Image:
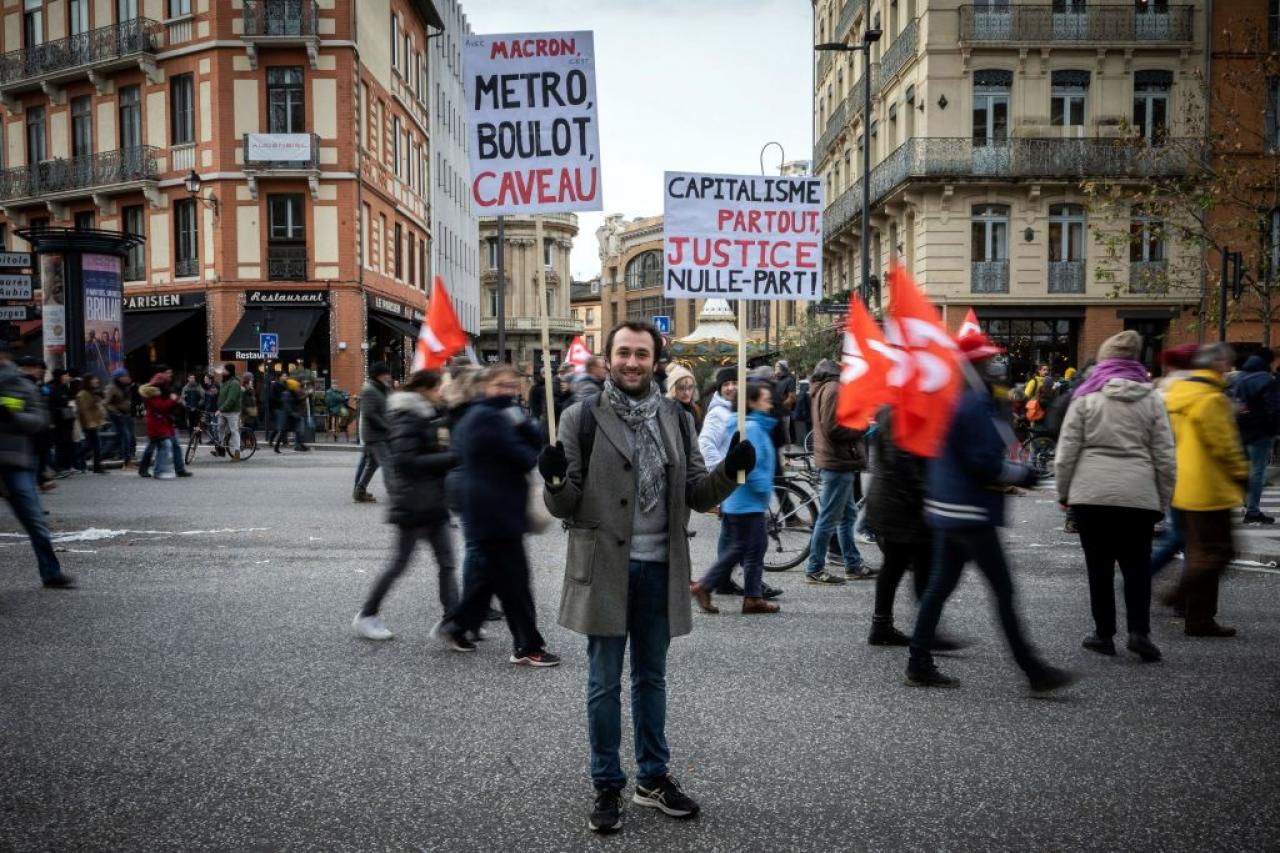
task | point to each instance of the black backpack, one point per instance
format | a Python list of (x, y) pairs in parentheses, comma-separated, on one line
[(587, 432)]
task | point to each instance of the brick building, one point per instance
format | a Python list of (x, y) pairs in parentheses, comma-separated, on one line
[(306, 128)]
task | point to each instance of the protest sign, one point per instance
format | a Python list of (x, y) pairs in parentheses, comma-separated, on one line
[(534, 137), (742, 237)]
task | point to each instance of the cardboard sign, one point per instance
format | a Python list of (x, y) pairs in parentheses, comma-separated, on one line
[(534, 136), (15, 287), (742, 237)]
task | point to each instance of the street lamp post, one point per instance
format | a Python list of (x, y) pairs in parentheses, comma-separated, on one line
[(869, 38)]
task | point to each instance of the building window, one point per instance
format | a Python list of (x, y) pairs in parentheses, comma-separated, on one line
[(757, 314), (991, 107), (182, 109), (36, 149), (32, 23), (591, 342), (135, 263), (82, 126), (1151, 104), (645, 270), (126, 10), (646, 309), (413, 262), (179, 8), (287, 238), (548, 253), (491, 251), (78, 16), (1067, 101), (185, 238), (591, 316), (491, 303), (286, 104), (399, 250), (130, 101), (989, 245), (1147, 243), (395, 41), (1066, 248), (395, 145), (84, 220)]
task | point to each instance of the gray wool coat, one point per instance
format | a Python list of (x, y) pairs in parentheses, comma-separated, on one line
[(599, 516)]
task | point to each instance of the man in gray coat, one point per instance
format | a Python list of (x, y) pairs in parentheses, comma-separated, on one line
[(626, 498), (373, 432)]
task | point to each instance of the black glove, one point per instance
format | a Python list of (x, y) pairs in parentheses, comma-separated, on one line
[(552, 463), (741, 457)]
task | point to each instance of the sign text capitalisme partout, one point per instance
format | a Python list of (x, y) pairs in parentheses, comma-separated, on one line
[(534, 136), (742, 237)]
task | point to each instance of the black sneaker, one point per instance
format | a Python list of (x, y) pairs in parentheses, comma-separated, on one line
[(1101, 645), (606, 814), (185, 474), (60, 581), (1258, 518), (144, 473), (929, 677), (541, 657), (1049, 678), (665, 794), (862, 573), (494, 615), (770, 591), (729, 587)]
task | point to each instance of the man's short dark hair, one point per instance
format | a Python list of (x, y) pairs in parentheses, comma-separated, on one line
[(230, 369), (756, 389), (634, 326), (424, 380)]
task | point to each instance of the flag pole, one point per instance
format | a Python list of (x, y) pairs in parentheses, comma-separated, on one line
[(742, 378)]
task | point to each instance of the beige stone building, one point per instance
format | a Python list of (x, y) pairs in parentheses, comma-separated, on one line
[(522, 260), (307, 126), (986, 120), (585, 301)]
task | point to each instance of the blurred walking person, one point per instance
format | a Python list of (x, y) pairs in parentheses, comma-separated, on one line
[(162, 408), (373, 432), (1115, 468), (1212, 473), (119, 403), (419, 454), (230, 405), (1256, 394), (497, 447), (92, 413), (22, 417), (287, 419)]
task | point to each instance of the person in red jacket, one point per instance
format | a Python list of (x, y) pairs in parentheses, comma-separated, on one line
[(161, 405)]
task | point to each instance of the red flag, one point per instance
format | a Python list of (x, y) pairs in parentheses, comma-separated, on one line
[(441, 334), (929, 392), (578, 355), (864, 369), (969, 326)]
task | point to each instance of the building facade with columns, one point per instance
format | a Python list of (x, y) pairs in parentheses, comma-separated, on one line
[(523, 262), (988, 123), (307, 127)]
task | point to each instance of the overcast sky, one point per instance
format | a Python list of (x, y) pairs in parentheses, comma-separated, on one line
[(696, 85)]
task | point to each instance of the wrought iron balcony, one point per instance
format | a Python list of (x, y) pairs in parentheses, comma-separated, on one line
[(835, 123), (55, 180), (843, 210), (556, 325), (1066, 276), (899, 53), (186, 267), (280, 23), (989, 276), (286, 262), (1148, 277), (1153, 25), (824, 63), (848, 13), (131, 43)]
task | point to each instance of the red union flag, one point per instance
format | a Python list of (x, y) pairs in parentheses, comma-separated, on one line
[(969, 327), (929, 392), (865, 368), (578, 355), (441, 336)]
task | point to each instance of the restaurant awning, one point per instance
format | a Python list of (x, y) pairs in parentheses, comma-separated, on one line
[(293, 325), (141, 328), (396, 324)]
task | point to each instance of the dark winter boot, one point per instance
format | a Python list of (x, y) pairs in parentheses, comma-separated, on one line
[(884, 634)]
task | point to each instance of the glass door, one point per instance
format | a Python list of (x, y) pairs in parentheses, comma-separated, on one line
[(991, 122)]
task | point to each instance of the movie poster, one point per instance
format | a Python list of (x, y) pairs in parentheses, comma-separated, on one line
[(103, 315), (53, 293)]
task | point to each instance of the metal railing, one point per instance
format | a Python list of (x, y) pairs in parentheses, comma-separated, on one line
[(1066, 276), (92, 171), (310, 164), (286, 262), (824, 63), (847, 15), (1041, 24), (858, 94), (835, 123), (82, 50), (186, 267), (1148, 277), (903, 48), (843, 210), (989, 276), (281, 18)]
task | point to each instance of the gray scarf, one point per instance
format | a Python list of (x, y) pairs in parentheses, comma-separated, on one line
[(641, 416)]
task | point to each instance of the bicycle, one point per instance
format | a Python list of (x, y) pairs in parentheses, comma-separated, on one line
[(205, 433), (793, 511), (1039, 451)]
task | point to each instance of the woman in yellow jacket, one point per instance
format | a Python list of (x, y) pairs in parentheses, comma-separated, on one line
[(1212, 472)]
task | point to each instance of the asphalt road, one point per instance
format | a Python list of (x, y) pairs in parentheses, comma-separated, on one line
[(203, 691)]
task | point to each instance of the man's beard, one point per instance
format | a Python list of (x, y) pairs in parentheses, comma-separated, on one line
[(641, 391)]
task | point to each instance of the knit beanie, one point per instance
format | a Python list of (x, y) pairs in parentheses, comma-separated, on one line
[(1126, 345), (726, 374)]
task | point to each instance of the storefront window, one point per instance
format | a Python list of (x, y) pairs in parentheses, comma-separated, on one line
[(1031, 341)]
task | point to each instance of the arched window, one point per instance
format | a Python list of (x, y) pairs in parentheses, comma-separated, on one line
[(645, 270)]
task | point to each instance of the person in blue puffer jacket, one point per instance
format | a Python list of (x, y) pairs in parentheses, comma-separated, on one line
[(964, 505), (743, 514)]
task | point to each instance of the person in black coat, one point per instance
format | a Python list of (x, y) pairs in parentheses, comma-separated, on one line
[(497, 447), (417, 442)]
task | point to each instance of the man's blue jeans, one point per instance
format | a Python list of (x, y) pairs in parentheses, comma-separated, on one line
[(836, 514), (647, 626), (25, 500), (1171, 541), (124, 435), (1259, 452), (158, 445)]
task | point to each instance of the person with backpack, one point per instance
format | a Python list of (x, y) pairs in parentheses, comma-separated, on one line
[(230, 405), (1038, 392), (1256, 395), (373, 431), (624, 474)]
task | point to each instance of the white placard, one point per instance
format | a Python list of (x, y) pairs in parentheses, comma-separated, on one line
[(279, 147), (742, 237), (13, 312), (15, 287), (534, 137), (15, 259)]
